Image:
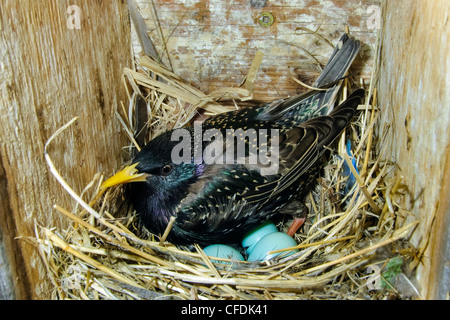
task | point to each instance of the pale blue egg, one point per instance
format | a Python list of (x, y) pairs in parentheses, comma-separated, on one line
[(271, 242), (251, 238), (223, 251)]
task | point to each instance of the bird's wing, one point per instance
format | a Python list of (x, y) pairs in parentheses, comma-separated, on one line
[(227, 196), (233, 192), (301, 147)]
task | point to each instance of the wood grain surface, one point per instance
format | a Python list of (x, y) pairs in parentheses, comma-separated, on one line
[(415, 100), (212, 43), (51, 73)]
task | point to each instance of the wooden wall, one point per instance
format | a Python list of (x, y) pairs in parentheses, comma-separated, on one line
[(51, 71), (415, 99), (212, 43)]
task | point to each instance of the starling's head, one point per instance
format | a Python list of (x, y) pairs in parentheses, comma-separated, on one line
[(163, 174), (159, 184)]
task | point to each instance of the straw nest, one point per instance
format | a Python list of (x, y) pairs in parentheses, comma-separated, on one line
[(353, 245)]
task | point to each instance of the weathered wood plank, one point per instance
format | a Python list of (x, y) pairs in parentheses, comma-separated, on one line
[(414, 97), (212, 43), (51, 73)]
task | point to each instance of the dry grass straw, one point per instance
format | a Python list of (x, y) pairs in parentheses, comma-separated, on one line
[(344, 240)]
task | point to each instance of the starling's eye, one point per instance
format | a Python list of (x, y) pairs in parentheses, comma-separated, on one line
[(166, 170)]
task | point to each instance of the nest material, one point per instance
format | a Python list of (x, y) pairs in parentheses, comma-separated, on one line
[(347, 247)]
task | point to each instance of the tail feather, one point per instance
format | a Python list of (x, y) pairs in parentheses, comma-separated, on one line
[(316, 103), (339, 62)]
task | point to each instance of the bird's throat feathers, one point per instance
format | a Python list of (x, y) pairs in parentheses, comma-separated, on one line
[(164, 195)]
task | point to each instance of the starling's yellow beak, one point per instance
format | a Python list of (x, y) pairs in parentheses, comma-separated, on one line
[(127, 175)]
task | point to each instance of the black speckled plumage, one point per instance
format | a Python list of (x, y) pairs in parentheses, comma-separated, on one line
[(220, 202)]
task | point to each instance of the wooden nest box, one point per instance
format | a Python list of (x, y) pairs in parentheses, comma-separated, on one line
[(59, 61)]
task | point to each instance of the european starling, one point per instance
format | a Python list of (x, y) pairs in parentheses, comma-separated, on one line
[(217, 195)]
